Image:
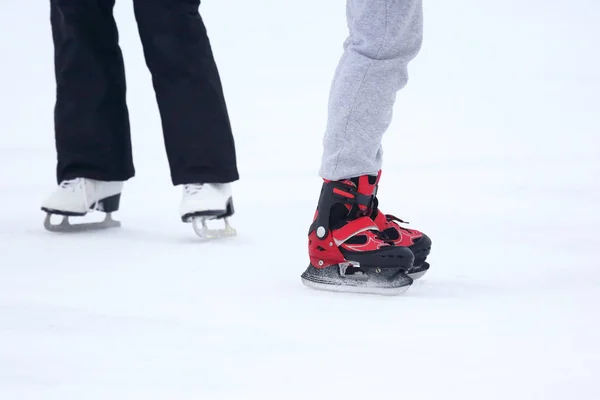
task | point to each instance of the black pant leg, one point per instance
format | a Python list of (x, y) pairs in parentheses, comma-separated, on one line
[(195, 121), (91, 117)]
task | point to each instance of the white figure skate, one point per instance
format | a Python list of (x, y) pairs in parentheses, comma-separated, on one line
[(205, 202), (76, 197)]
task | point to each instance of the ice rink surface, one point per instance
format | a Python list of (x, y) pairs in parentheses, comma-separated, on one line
[(494, 152)]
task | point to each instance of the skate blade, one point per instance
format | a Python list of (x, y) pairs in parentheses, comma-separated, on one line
[(349, 277), (65, 225), (202, 230), (417, 275), (382, 291)]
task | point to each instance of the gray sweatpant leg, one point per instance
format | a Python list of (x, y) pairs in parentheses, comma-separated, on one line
[(384, 36)]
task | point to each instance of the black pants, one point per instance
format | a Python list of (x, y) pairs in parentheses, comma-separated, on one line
[(91, 116)]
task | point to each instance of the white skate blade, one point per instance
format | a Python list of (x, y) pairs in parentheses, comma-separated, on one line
[(65, 225), (355, 289), (203, 231)]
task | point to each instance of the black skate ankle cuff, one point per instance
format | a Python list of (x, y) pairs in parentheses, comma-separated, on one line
[(333, 193)]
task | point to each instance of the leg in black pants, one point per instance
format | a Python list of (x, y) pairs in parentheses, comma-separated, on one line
[(197, 131), (91, 117)]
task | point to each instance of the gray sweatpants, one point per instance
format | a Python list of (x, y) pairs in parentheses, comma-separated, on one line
[(384, 36)]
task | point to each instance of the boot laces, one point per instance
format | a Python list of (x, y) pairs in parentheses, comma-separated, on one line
[(192, 188), (390, 217), (383, 237), (73, 185)]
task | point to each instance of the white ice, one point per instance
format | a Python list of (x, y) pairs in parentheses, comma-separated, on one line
[(494, 152)]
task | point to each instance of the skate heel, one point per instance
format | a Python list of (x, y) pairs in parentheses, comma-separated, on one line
[(199, 221), (230, 209), (211, 214), (108, 205)]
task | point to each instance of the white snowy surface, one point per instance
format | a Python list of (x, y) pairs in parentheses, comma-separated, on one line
[(494, 152)]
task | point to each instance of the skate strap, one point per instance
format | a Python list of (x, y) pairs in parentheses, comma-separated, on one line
[(353, 228), (339, 192), (350, 195)]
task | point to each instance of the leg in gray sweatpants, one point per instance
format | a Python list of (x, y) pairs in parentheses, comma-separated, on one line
[(384, 36)]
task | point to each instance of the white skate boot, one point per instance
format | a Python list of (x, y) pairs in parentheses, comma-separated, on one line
[(77, 197), (204, 202)]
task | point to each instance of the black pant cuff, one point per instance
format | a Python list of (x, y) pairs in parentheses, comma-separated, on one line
[(223, 177)]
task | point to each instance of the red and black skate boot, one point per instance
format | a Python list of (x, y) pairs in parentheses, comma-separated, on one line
[(347, 251), (417, 242)]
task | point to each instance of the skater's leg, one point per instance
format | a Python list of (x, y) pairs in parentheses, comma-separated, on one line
[(91, 117), (197, 131), (385, 35)]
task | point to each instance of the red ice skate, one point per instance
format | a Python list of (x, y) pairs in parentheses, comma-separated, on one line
[(348, 253)]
